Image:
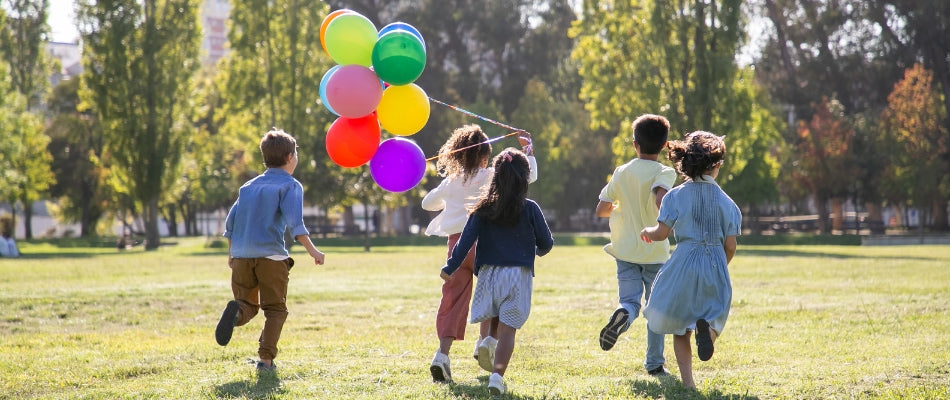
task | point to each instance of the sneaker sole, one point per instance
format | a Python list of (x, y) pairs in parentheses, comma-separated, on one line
[(610, 333), (704, 343), (495, 391), (226, 325), (438, 375), (485, 358)]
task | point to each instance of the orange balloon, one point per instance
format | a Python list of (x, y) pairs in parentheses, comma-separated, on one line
[(326, 22)]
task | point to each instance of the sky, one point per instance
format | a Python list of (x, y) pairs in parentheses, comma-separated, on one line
[(62, 15)]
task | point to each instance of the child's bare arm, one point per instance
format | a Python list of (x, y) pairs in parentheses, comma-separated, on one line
[(730, 245), (318, 256), (654, 233), (604, 209), (658, 194)]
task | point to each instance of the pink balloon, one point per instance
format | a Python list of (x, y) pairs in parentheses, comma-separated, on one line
[(353, 91)]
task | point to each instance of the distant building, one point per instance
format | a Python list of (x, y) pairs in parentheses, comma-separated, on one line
[(68, 55), (214, 18)]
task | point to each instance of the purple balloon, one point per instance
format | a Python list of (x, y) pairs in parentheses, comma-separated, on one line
[(398, 165)]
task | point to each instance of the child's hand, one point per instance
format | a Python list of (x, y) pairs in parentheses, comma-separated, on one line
[(524, 139), (445, 277), (644, 235), (318, 257)]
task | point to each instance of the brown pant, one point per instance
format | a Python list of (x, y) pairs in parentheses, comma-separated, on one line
[(456, 296), (261, 283)]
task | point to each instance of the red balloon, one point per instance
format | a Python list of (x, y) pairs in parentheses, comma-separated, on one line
[(352, 142)]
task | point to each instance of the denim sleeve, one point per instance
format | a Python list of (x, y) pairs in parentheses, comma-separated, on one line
[(229, 221), (291, 206)]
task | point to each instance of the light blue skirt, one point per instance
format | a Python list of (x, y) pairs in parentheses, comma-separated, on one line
[(693, 284)]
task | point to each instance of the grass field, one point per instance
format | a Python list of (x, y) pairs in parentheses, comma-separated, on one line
[(807, 322)]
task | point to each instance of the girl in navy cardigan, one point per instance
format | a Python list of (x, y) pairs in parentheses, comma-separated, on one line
[(508, 230)]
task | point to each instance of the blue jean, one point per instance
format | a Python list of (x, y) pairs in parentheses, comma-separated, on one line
[(636, 280)]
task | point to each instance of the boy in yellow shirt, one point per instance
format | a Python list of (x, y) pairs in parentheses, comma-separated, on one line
[(631, 199)]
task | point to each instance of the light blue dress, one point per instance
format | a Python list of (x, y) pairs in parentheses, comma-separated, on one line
[(694, 283)]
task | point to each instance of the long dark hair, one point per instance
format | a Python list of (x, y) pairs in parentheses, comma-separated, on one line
[(504, 201), (699, 152)]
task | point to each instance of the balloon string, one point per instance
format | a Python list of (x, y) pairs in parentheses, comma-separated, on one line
[(509, 127), (474, 145), (469, 113)]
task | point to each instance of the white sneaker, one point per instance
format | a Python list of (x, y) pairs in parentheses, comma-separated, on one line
[(486, 353), (475, 351), (440, 368), (496, 385)]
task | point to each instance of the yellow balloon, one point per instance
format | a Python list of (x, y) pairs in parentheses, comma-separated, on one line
[(403, 110)]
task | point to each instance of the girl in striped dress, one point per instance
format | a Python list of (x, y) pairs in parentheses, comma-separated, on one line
[(508, 230), (692, 292), (463, 161)]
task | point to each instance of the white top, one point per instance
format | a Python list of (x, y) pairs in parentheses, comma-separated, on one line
[(454, 198)]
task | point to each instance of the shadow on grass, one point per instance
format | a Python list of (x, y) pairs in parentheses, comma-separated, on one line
[(671, 388), (266, 386), (480, 391), (792, 253)]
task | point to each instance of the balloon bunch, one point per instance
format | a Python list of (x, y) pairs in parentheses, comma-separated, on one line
[(371, 88)]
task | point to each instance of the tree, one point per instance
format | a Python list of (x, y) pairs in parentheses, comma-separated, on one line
[(676, 59), (826, 165), (139, 60), (854, 51), (915, 116), (76, 143), (21, 44)]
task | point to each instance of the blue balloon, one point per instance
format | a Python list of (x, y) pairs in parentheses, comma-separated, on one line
[(404, 26), (323, 89)]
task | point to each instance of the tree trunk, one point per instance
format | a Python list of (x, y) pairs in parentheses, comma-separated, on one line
[(822, 205), (152, 239), (875, 218), (172, 222), (940, 214), (755, 226), (837, 214), (28, 220), (349, 220)]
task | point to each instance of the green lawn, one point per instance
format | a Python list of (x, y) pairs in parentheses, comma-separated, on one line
[(807, 322)]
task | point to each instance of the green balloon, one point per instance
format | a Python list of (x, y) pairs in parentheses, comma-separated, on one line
[(399, 57), (350, 39)]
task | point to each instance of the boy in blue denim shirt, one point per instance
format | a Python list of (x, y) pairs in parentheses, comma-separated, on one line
[(267, 205)]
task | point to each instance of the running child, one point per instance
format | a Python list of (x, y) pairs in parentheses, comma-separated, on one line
[(266, 206), (507, 230), (692, 292), (632, 201), (463, 161)]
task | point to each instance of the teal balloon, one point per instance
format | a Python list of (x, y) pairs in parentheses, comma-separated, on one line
[(323, 89), (350, 39), (398, 57)]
